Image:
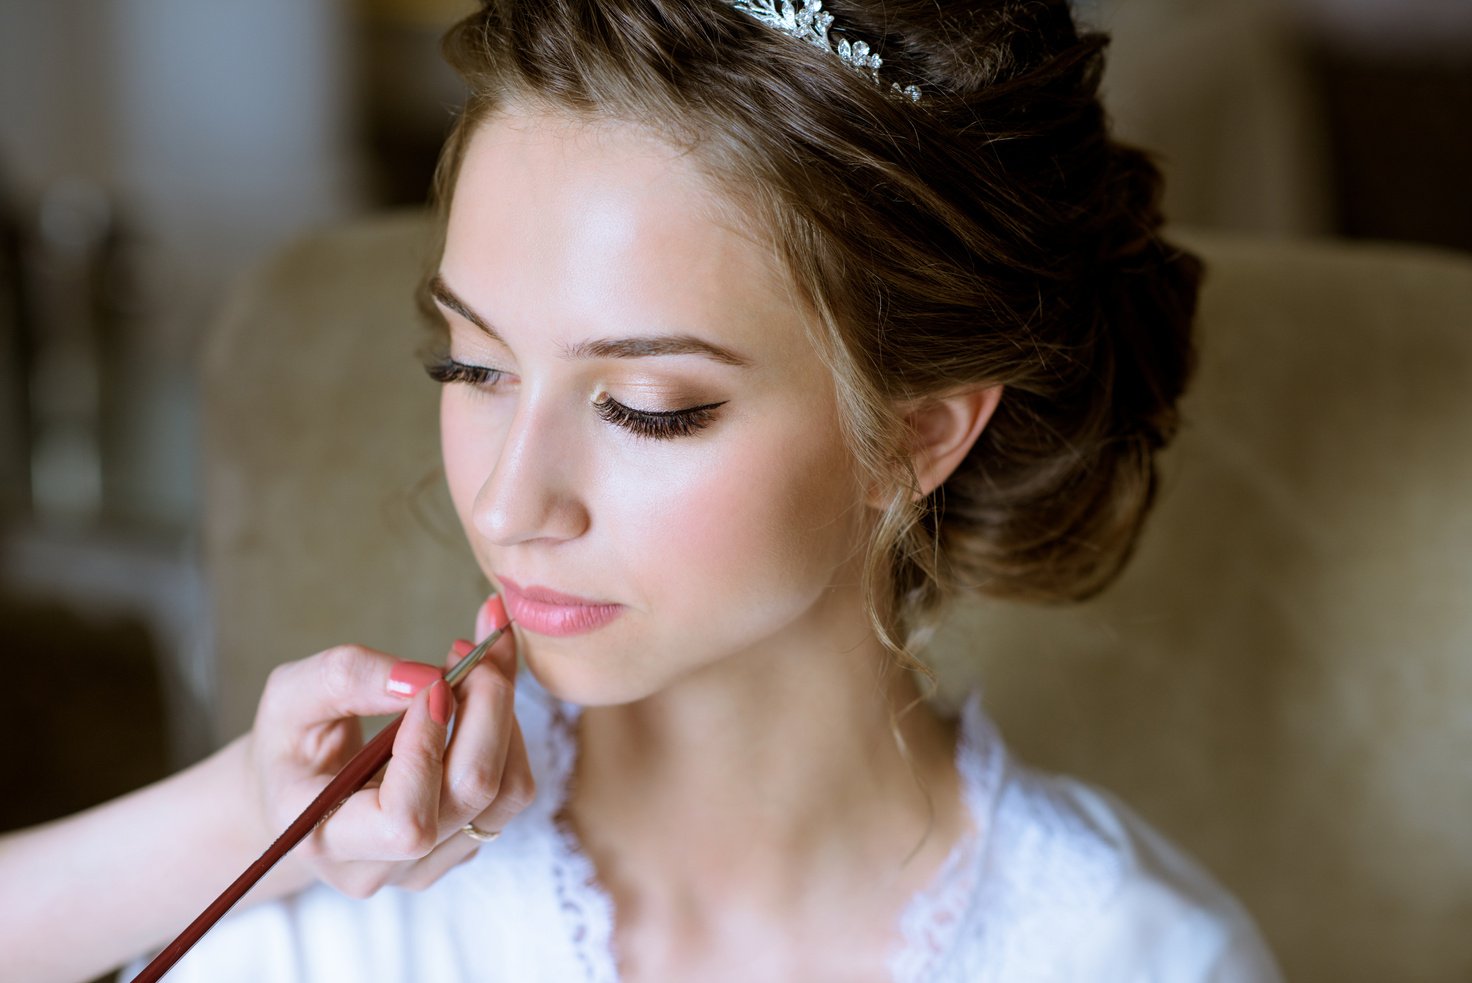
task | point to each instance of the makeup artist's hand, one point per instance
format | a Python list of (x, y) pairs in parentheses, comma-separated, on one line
[(405, 828)]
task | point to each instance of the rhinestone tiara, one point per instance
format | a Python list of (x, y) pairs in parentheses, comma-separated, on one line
[(810, 23)]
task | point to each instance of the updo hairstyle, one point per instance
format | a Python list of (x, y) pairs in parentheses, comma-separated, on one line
[(992, 233)]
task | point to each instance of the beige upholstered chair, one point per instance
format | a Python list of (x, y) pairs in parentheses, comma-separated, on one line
[(1281, 681)]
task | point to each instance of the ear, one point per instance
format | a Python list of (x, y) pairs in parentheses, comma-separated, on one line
[(943, 429)]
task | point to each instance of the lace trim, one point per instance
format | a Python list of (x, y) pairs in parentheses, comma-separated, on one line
[(930, 926), (587, 910)]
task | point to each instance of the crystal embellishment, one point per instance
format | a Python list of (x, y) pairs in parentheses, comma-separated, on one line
[(810, 23)]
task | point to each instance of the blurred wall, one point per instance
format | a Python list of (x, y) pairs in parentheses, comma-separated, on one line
[(212, 132), (1292, 117), (1220, 93), (149, 151)]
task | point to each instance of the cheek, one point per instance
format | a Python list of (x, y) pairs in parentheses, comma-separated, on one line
[(462, 447), (758, 526)]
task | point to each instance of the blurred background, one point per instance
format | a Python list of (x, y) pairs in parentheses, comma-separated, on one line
[(152, 150)]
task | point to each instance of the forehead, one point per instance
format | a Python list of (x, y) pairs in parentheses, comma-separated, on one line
[(581, 227)]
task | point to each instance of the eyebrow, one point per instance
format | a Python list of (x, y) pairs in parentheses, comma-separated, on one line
[(643, 346)]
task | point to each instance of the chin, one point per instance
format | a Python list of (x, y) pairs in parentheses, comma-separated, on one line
[(582, 680)]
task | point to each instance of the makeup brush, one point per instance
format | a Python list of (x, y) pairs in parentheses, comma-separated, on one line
[(353, 776)]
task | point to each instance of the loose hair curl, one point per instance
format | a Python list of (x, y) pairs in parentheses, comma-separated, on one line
[(993, 234)]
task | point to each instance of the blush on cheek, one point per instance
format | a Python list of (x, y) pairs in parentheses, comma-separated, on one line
[(759, 529), (453, 458), (467, 455)]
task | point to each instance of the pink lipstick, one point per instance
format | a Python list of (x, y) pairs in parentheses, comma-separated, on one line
[(549, 612)]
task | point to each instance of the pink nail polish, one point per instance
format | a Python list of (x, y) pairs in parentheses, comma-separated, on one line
[(407, 678), (462, 647), (440, 702)]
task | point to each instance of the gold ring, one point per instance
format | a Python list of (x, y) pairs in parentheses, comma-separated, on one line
[(479, 835)]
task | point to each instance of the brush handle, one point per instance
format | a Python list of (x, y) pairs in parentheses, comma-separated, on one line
[(353, 776)]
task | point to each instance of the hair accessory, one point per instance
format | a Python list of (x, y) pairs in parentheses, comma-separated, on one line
[(478, 834), (810, 24)]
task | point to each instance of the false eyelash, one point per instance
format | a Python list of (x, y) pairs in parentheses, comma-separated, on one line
[(665, 425), (447, 370)]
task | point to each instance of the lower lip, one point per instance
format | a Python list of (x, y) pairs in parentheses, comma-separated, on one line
[(558, 619)]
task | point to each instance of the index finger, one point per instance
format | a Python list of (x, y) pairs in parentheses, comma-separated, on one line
[(343, 681)]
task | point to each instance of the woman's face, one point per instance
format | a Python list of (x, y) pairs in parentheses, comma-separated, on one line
[(636, 418)]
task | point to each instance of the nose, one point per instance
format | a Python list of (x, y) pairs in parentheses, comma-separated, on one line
[(531, 491)]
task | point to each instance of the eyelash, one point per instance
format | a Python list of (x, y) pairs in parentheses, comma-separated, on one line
[(665, 425), (447, 370)]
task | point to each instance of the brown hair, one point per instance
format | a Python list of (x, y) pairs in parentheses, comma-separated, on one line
[(991, 234)]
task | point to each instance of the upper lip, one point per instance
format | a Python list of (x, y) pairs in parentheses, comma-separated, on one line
[(546, 595)]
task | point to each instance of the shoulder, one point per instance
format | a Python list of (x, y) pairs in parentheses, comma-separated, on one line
[(1064, 859), (1142, 909)]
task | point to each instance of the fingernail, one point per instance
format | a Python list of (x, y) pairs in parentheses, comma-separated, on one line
[(407, 678), (440, 702)]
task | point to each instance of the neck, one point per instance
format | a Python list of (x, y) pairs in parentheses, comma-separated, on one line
[(767, 782)]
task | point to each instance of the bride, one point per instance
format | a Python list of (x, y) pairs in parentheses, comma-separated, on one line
[(756, 349)]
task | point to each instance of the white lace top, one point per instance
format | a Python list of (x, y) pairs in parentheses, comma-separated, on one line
[(1057, 882)]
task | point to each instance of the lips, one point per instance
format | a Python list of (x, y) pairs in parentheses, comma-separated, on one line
[(550, 612)]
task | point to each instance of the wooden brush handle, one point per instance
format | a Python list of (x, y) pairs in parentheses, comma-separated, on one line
[(354, 775)]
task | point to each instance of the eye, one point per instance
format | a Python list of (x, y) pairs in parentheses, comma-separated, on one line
[(666, 425), (447, 370)]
